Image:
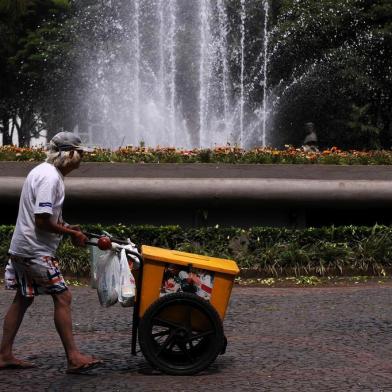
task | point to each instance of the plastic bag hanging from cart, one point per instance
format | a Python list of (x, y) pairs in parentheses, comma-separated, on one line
[(126, 294), (108, 278)]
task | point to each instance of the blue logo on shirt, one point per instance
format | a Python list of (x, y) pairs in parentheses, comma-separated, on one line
[(46, 204)]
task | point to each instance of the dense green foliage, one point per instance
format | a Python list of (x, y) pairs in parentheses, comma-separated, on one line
[(36, 67), (330, 62), (268, 251)]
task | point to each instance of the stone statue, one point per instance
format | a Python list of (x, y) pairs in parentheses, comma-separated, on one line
[(310, 142)]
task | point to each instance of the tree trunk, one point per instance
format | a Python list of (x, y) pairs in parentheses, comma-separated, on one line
[(25, 128), (7, 134)]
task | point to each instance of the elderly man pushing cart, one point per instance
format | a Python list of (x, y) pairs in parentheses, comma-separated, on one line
[(33, 268)]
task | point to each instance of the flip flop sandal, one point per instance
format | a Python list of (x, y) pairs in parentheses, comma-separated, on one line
[(84, 368)]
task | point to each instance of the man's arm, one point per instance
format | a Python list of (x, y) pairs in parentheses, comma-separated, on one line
[(44, 223)]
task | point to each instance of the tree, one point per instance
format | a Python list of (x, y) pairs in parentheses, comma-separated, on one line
[(31, 30), (328, 59)]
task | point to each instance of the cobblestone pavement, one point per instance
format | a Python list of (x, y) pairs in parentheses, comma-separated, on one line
[(280, 339)]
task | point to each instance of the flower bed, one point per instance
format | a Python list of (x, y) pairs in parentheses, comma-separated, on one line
[(227, 154)]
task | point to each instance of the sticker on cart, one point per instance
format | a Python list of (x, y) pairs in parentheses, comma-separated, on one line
[(178, 279)]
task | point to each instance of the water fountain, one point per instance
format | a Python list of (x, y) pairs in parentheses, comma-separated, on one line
[(265, 69), (176, 73)]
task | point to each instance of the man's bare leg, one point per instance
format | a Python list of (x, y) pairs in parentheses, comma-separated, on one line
[(63, 322), (12, 322)]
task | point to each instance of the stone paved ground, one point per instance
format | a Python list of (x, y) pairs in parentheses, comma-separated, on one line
[(280, 339)]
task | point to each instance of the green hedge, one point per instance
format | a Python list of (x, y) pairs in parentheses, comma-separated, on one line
[(268, 251)]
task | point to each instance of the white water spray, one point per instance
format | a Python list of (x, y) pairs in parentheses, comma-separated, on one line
[(136, 81), (222, 16), (265, 69), (243, 15), (166, 72), (172, 72)]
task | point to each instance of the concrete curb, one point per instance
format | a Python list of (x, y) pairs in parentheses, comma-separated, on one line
[(215, 190), (209, 194)]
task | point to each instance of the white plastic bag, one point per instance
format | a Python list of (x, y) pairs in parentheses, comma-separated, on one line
[(10, 278), (108, 278), (127, 282), (95, 254)]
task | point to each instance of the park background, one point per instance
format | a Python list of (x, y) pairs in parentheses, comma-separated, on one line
[(290, 62)]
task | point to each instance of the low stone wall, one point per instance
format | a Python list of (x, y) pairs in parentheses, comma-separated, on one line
[(209, 194)]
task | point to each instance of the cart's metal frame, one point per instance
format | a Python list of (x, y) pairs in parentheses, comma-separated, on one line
[(136, 307)]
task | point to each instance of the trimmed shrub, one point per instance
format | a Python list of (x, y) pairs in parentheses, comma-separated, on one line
[(270, 252)]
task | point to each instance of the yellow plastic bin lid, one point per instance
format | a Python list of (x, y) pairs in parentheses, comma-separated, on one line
[(197, 261)]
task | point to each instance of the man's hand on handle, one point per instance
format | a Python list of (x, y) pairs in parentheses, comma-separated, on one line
[(78, 238)]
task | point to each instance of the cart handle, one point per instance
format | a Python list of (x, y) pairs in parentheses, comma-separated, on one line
[(127, 251), (113, 239), (136, 254)]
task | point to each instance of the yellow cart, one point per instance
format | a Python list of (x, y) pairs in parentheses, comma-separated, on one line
[(181, 301)]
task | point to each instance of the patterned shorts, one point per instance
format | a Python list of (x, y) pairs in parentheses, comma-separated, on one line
[(34, 276)]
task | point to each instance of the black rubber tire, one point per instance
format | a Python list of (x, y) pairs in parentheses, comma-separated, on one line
[(184, 346)]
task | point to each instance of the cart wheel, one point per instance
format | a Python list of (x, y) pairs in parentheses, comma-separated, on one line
[(181, 334)]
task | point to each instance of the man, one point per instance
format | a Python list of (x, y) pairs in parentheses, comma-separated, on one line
[(38, 231)]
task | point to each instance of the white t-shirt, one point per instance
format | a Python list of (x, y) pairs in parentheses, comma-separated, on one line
[(43, 192)]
